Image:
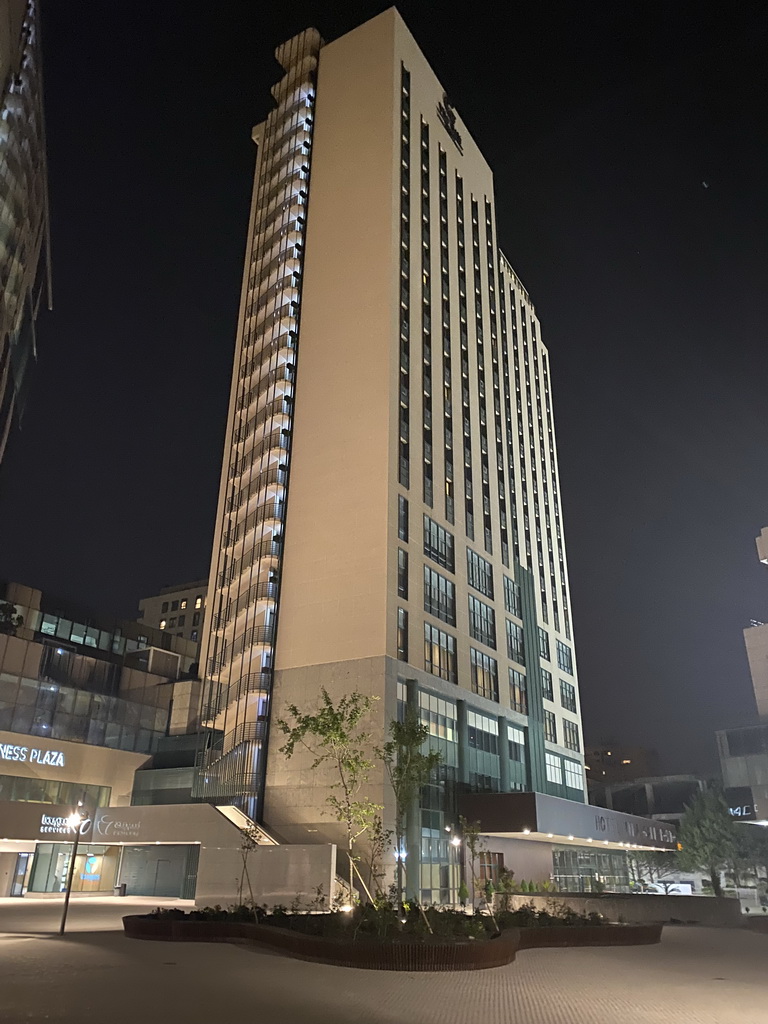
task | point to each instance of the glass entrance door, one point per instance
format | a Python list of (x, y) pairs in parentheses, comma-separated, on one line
[(19, 882)]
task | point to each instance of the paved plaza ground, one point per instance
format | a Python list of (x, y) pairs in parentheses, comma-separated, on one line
[(96, 976)]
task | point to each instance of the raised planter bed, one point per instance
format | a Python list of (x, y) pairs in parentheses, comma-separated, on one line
[(590, 935), (367, 952)]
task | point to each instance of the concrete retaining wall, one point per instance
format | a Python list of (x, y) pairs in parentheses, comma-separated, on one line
[(639, 909)]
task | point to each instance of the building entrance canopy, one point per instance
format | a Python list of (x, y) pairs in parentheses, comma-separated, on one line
[(555, 820)]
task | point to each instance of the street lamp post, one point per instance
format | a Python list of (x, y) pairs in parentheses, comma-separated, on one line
[(74, 821)]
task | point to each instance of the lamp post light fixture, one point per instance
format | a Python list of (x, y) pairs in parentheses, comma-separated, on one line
[(74, 821)]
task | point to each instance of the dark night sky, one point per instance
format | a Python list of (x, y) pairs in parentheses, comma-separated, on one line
[(602, 122)]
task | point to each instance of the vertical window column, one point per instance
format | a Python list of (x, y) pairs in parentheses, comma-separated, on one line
[(466, 421), (405, 279), (481, 385), (426, 321), (508, 417), (496, 380), (445, 305)]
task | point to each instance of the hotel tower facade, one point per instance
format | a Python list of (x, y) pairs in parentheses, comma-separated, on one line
[(389, 518)]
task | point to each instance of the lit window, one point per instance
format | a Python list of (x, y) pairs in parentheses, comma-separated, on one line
[(550, 727), (516, 740), (485, 680), (199, 601), (573, 776), (626, 761), (554, 769), (163, 623), (183, 604), (402, 634), (518, 695)]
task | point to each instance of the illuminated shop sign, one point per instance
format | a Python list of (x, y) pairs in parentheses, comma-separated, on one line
[(115, 828), (33, 755), (52, 824)]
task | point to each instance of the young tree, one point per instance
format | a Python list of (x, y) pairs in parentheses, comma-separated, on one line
[(333, 734), (9, 620), (249, 842), (470, 832), (408, 768), (656, 867), (750, 851), (379, 839), (706, 836)]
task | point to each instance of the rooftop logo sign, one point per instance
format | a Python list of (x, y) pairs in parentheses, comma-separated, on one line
[(446, 114)]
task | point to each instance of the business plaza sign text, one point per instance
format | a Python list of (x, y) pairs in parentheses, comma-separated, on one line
[(33, 755)]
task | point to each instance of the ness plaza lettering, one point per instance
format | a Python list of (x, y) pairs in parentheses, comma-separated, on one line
[(32, 755)]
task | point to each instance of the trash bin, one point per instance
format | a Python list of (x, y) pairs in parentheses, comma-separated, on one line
[(119, 890)]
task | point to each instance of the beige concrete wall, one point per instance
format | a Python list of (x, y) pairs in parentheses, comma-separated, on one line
[(84, 763), (296, 796), (7, 869), (185, 710), (334, 585), (529, 860), (286, 875)]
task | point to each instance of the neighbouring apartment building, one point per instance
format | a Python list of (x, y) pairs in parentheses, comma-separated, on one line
[(389, 517), (743, 750), (179, 610), (24, 226)]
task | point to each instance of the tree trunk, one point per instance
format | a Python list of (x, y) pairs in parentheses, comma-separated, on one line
[(714, 877)]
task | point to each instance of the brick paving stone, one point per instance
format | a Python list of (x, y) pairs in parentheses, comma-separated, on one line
[(695, 976)]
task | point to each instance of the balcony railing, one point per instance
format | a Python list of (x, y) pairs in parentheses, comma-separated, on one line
[(256, 592), (282, 372), (277, 439), (273, 475), (252, 682), (269, 510), (269, 547)]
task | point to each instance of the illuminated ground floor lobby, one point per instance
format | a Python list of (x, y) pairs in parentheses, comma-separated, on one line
[(139, 851), (148, 870)]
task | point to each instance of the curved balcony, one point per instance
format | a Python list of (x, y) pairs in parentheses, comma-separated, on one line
[(268, 548), (281, 253), (282, 372), (276, 408), (285, 341), (281, 159), (278, 439), (252, 682), (274, 475), (269, 511), (281, 219), (256, 636), (265, 591)]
